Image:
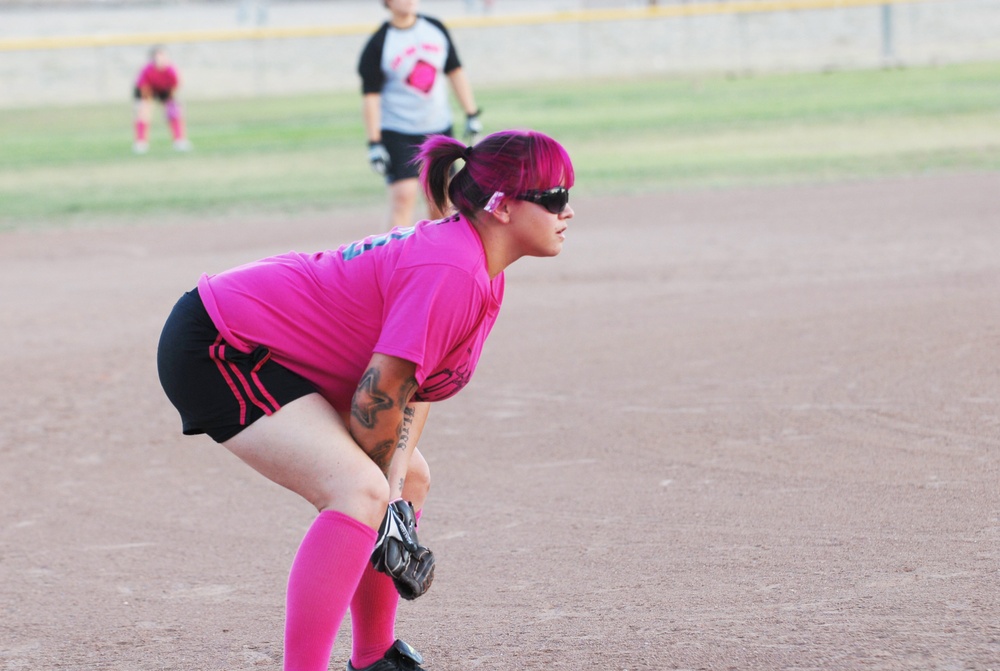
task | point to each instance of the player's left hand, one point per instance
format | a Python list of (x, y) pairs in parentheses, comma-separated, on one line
[(399, 554), (473, 126)]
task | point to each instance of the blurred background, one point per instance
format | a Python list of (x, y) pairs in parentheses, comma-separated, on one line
[(63, 51), (648, 94), (793, 386)]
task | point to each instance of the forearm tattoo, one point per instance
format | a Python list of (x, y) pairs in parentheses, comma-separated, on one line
[(404, 428), (369, 400), (404, 436), (381, 454)]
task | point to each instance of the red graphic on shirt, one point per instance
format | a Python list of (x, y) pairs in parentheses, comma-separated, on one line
[(422, 76)]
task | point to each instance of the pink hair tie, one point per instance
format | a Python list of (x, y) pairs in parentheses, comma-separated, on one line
[(494, 201)]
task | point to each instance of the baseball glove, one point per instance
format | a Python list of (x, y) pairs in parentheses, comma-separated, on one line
[(399, 554)]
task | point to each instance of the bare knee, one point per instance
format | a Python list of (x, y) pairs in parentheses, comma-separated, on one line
[(307, 448), (365, 497), (143, 110), (403, 200), (418, 481)]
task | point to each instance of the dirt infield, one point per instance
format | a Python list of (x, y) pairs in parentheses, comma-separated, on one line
[(750, 429)]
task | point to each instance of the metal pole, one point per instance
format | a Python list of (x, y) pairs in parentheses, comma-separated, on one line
[(888, 57)]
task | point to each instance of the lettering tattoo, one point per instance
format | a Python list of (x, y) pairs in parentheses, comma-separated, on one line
[(369, 400), (404, 427)]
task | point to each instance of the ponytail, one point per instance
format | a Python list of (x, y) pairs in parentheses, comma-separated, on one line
[(508, 162), (437, 154)]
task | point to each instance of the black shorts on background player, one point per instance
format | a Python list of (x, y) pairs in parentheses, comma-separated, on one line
[(403, 148), (162, 96)]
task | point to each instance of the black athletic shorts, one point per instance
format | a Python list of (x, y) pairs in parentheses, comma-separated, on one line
[(403, 149), (162, 96), (217, 389)]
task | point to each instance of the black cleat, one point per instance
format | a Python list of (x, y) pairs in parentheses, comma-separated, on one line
[(400, 657)]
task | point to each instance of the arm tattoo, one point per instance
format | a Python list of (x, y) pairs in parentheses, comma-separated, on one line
[(369, 400), (404, 428), (406, 390), (381, 454)]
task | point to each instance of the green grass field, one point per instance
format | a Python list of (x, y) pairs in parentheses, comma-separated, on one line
[(69, 165)]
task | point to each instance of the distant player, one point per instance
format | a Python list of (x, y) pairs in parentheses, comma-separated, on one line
[(158, 80), (319, 369), (403, 69)]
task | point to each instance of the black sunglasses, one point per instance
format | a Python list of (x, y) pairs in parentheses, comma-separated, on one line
[(554, 200)]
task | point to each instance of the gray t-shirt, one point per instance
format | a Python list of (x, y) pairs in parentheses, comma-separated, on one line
[(408, 68)]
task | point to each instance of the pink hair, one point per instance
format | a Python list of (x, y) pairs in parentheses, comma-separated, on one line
[(509, 161)]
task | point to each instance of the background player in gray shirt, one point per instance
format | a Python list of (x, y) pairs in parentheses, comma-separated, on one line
[(406, 99)]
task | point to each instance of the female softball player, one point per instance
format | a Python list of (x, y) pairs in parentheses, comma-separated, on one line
[(158, 80), (318, 369), (405, 99)]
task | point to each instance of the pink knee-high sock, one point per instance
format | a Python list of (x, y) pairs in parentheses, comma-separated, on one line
[(373, 616), (175, 119), (141, 131), (177, 128), (324, 576)]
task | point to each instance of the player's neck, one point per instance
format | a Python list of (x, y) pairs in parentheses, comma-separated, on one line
[(403, 21)]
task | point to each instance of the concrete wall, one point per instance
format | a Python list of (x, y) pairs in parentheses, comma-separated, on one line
[(513, 44)]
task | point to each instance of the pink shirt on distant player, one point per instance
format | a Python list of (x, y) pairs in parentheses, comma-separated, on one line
[(157, 79), (420, 293)]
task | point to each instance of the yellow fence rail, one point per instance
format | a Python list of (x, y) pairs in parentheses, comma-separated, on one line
[(298, 32)]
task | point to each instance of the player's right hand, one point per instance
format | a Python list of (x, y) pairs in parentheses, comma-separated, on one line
[(378, 157), (473, 127)]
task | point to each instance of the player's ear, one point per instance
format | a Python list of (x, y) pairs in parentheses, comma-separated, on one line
[(498, 207), (501, 212)]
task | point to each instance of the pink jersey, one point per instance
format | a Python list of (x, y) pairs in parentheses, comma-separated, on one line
[(157, 79), (420, 293)]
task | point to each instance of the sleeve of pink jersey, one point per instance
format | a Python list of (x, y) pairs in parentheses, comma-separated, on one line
[(143, 76), (428, 312)]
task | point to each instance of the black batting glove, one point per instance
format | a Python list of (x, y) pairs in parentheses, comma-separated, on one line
[(473, 126), (378, 157)]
